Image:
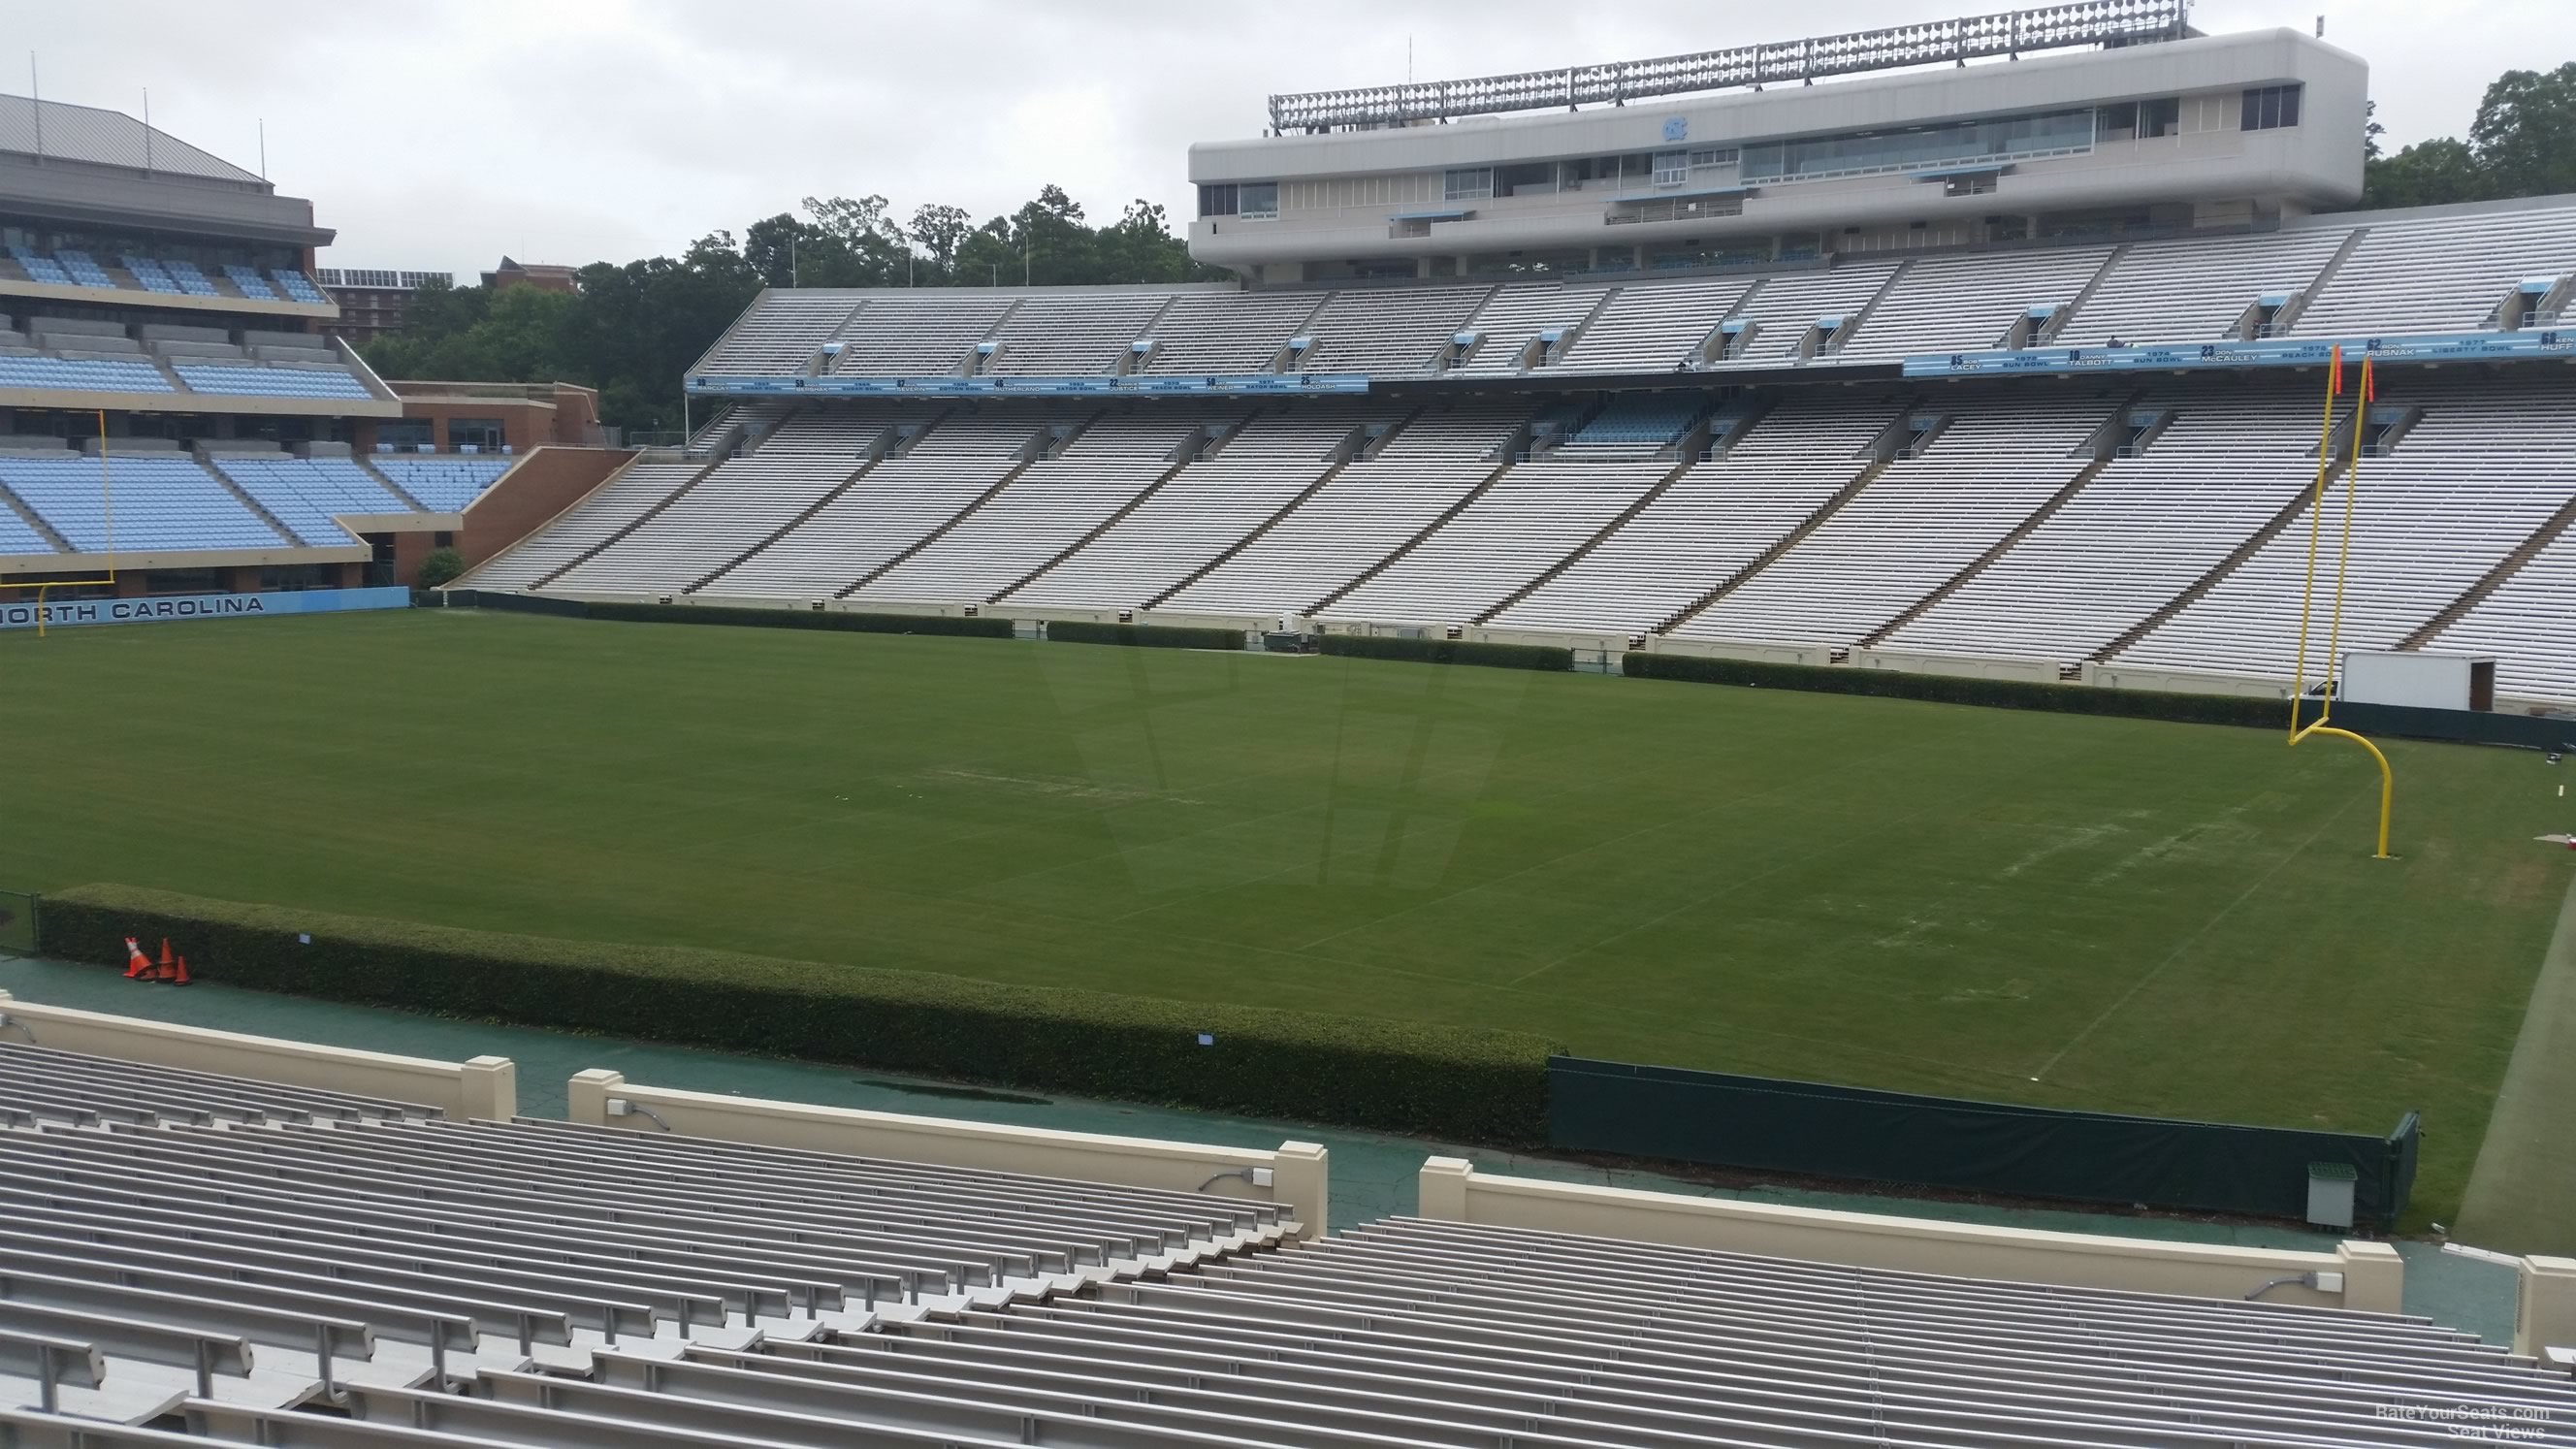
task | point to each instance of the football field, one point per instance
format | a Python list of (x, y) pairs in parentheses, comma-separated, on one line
[(2104, 913)]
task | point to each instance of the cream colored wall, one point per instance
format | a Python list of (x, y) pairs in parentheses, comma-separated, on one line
[(485, 1087), (1299, 1171), (2546, 1315), (1451, 1190)]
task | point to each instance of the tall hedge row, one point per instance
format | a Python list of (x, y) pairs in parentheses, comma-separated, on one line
[(832, 619), (1449, 651), (1959, 689), (1151, 636), (1448, 1082)]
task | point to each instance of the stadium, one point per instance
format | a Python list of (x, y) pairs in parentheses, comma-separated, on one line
[(1853, 741)]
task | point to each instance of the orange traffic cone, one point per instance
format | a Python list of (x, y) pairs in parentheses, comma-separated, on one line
[(136, 963), (179, 977), (169, 963)]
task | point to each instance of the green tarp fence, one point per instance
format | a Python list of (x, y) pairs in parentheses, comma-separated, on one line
[(1810, 1129)]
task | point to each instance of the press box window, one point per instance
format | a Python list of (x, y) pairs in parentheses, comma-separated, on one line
[(2271, 108), (1257, 201), (1217, 200), (1474, 183)]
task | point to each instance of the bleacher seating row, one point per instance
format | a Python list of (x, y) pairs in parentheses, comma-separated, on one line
[(2043, 522), (94, 355), (53, 500), (187, 1258), (71, 268), (2325, 277)]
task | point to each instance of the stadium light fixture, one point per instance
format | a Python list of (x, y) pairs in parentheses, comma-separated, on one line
[(2010, 32)]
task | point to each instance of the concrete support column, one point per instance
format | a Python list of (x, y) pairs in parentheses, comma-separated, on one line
[(2374, 1277), (1440, 1193), (586, 1096), (1304, 1177), (490, 1087), (2546, 1316)]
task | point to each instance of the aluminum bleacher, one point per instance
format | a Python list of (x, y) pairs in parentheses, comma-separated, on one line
[(1394, 330), (1206, 509), (1714, 520), (2137, 536), (779, 333), (1517, 317), (1227, 332), (2526, 625), (1048, 508), (2193, 290), (1972, 301), (1515, 530), (2488, 464), (2442, 273), (585, 526), (1785, 309), (892, 507), (1079, 333), (1909, 530), (1653, 328), (1363, 513), (928, 335), (733, 508)]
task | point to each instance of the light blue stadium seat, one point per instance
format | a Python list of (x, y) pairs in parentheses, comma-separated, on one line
[(41, 268), (84, 375), (16, 537), (305, 493), (149, 273), (444, 485), (84, 271), (269, 381), (297, 285), (190, 280), (248, 280), (1639, 420), (162, 503)]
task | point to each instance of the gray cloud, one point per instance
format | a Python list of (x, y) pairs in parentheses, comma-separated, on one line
[(442, 133)]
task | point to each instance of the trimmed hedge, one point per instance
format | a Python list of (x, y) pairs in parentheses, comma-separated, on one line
[(802, 619), (1150, 636), (1449, 1082), (2226, 709), (1449, 651)]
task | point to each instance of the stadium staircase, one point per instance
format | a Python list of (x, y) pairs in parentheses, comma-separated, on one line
[(632, 524), (1884, 454), (1686, 452), (2288, 316), (2105, 446), (878, 451), (242, 496), (1859, 320), (2236, 557), (385, 481), (1009, 476), (1465, 501), (2063, 316), (2494, 578), (1189, 455), (1350, 456), (18, 506)]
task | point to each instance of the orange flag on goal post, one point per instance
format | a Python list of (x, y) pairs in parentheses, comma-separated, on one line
[(2369, 387), (2334, 373)]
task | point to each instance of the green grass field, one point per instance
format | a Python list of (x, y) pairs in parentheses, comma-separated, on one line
[(2073, 911)]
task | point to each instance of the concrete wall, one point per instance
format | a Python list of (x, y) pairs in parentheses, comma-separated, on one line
[(485, 1087), (544, 484), (2183, 681), (2546, 1316), (2373, 1276), (1974, 666), (1298, 1172), (1815, 654)]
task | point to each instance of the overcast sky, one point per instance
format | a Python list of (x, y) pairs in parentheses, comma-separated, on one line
[(439, 134)]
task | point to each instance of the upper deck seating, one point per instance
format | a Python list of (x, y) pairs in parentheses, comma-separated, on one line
[(1947, 304), (1081, 334), (929, 335), (1786, 308), (443, 483), (1227, 332), (2440, 274), (1396, 329), (778, 334), (133, 502), (1653, 328), (1516, 317), (2193, 289)]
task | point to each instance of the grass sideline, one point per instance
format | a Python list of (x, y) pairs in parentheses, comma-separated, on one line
[(2143, 916)]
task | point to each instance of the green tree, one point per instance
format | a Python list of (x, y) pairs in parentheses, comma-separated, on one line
[(2525, 134), (938, 231), (2428, 173)]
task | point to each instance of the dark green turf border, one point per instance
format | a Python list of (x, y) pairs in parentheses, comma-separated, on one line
[(1148, 636), (1961, 689), (1455, 1083), (1448, 651)]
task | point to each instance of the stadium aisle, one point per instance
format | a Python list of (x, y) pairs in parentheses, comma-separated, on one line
[(1372, 1173)]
